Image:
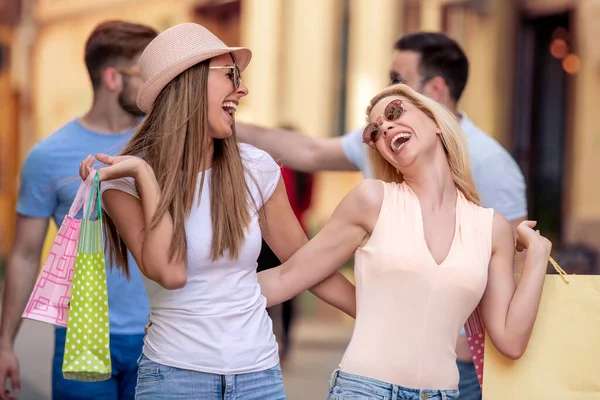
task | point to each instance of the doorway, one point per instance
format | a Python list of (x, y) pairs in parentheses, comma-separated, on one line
[(541, 113)]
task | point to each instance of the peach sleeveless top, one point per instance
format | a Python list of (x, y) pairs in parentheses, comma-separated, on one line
[(410, 310)]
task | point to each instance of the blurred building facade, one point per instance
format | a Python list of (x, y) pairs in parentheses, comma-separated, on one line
[(534, 83), (9, 117)]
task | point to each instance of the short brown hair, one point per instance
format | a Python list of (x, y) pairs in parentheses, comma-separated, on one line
[(440, 56), (113, 42)]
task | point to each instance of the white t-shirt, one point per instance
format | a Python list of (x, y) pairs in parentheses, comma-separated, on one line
[(218, 322)]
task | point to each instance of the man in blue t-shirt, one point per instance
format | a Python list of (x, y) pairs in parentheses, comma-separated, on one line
[(49, 182)]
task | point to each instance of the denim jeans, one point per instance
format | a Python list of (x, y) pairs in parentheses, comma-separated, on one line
[(468, 385), (124, 350), (345, 386), (160, 382)]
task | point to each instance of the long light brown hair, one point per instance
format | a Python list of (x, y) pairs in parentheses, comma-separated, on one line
[(452, 136), (174, 140)]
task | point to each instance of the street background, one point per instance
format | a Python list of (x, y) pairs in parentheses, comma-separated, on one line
[(534, 86)]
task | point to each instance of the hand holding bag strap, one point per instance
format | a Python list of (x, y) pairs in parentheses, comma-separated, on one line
[(90, 236), (82, 194), (94, 199), (557, 267)]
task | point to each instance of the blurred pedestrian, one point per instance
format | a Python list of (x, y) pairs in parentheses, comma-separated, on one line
[(47, 191), (299, 187)]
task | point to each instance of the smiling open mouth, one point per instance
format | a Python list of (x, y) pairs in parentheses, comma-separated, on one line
[(399, 140), (230, 107)]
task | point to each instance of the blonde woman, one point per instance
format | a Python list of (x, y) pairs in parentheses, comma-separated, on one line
[(191, 207), (426, 254)]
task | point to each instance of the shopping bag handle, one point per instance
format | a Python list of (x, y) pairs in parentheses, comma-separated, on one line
[(94, 196), (82, 194), (557, 267)]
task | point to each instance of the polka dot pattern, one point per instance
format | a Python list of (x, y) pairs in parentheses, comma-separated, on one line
[(475, 331), (476, 344), (87, 346)]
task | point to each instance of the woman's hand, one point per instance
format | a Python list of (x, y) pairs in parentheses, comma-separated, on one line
[(531, 240), (118, 167)]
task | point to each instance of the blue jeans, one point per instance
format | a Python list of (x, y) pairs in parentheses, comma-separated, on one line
[(124, 349), (345, 386), (160, 382), (468, 385)]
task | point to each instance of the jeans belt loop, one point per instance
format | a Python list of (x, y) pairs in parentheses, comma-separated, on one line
[(333, 378), (395, 391)]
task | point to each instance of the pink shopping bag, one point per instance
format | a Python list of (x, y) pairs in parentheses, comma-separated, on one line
[(49, 301), (476, 339)]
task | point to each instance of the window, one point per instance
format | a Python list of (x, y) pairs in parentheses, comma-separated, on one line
[(411, 16)]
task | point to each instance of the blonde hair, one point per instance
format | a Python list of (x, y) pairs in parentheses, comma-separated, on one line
[(453, 140), (173, 141)]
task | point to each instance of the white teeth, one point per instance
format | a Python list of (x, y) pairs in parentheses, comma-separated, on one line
[(399, 140), (230, 107)]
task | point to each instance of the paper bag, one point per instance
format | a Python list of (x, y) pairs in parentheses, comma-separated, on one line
[(49, 300), (476, 338), (87, 345), (562, 360)]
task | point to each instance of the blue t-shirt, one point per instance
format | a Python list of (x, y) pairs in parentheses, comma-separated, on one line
[(49, 183)]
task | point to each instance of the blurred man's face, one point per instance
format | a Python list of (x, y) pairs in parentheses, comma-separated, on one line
[(405, 69), (132, 82)]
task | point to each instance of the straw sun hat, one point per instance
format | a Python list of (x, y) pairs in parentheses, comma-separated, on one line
[(175, 50)]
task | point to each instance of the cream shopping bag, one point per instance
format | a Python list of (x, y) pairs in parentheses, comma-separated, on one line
[(562, 360)]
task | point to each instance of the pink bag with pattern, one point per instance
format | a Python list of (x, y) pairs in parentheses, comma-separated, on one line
[(476, 339), (49, 301)]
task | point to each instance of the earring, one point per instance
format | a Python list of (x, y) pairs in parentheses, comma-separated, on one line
[(438, 131)]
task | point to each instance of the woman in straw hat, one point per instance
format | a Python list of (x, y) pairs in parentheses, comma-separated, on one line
[(190, 206), (426, 254)]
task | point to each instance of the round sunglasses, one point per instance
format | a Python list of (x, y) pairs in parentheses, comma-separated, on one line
[(372, 132), (236, 77)]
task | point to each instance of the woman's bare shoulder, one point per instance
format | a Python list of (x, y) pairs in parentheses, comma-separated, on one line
[(369, 192), (363, 203)]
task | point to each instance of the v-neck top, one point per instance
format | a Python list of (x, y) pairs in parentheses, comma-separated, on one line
[(410, 309)]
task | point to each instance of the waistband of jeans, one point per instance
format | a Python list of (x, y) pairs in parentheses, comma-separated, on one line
[(339, 374)]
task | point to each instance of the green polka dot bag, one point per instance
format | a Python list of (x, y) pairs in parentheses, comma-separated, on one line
[(87, 346)]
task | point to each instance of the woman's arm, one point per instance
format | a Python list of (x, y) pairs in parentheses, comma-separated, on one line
[(509, 310), (149, 248), (315, 265), (284, 235)]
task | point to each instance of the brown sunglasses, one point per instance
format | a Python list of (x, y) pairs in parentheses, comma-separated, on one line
[(393, 111), (236, 77)]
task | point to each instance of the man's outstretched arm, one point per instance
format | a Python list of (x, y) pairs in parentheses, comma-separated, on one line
[(297, 151)]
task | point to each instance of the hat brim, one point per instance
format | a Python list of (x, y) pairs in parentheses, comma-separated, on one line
[(155, 84)]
